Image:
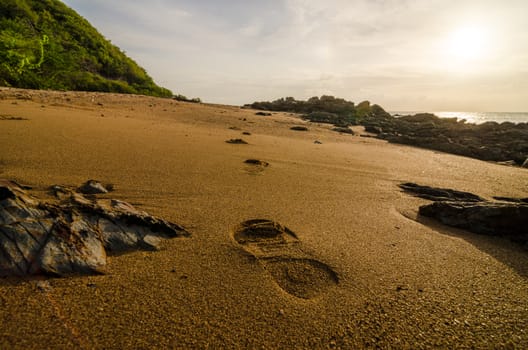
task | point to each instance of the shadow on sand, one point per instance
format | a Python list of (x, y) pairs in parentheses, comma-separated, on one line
[(503, 249)]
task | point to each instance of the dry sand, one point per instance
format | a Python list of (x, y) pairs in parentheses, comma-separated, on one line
[(401, 284)]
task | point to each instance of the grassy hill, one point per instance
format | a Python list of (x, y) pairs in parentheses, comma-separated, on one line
[(46, 45)]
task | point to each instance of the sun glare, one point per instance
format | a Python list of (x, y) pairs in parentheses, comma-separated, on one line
[(467, 43)]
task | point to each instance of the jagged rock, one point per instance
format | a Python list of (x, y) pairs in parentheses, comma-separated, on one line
[(488, 141), (468, 211), (72, 234), (439, 194), (92, 187), (525, 164)]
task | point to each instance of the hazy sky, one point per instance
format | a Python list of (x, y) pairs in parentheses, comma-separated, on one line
[(405, 55)]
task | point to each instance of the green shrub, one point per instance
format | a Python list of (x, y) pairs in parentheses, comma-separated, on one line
[(46, 45)]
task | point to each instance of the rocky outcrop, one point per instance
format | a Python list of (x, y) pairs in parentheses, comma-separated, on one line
[(507, 217), (489, 218), (439, 194), (488, 141), (72, 234)]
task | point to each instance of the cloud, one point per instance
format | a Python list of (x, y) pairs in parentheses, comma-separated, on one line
[(392, 50)]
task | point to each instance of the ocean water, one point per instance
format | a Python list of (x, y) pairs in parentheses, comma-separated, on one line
[(479, 117)]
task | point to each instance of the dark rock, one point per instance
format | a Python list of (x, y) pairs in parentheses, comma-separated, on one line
[(511, 200), (490, 141), (256, 162), (373, 129), (317, 142), (71, 235), (9, 117), (246, 133), (508, 163), (490, 218), (470, 212), (439, 194), (237, 141), (525, 163), (265, 114), (92, 187), (343, 130), (299, 128), (329, 118)]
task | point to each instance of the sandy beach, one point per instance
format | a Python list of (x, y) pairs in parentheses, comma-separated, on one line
[(395, 282)]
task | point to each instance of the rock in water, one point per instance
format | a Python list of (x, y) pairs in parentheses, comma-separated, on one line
[(71, 235)]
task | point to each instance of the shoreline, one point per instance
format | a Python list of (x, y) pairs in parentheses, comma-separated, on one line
[(473, 117)]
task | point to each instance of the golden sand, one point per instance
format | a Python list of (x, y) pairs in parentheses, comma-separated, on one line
[(400, 284)]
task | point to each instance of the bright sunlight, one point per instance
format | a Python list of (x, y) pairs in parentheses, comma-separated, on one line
[(467, 44)]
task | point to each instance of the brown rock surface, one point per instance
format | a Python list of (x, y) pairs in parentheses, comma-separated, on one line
[(71, 235)]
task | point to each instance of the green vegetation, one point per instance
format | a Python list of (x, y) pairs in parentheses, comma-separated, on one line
[(46, 45), (185, 99), (324, 109)]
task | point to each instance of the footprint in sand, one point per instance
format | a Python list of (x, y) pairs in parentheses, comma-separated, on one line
[(279, 251)]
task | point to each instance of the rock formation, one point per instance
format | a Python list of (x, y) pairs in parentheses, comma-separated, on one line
[(488, 141), (508, 217), (72, 234)]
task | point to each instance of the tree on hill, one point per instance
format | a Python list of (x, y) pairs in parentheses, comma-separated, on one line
[(46, 45)]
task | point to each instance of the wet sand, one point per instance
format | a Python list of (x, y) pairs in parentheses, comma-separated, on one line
[(371, 275)]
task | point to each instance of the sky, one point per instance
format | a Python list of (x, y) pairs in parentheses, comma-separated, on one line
[(406, 55)]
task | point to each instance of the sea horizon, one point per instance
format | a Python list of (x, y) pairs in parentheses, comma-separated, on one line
[(474, 117)]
